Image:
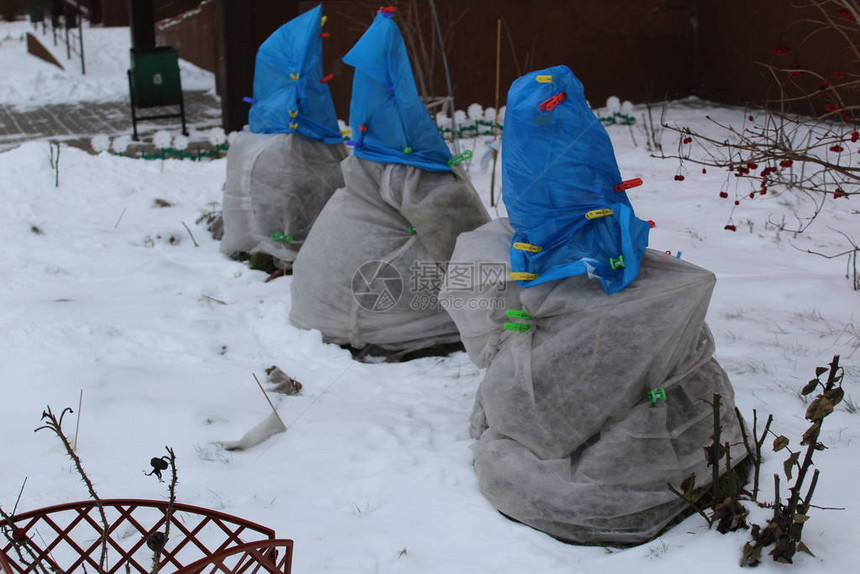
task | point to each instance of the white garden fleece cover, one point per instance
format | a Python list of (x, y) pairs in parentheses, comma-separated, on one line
[(369, 273), (276, 183), (570, 441)]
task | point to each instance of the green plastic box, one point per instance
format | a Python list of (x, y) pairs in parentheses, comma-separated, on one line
[(155, 77), (37, 14)]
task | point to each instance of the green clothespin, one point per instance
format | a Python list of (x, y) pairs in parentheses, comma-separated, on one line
[(616, 263), (458, 159), (410, 230), (657, 395), (407, 150), (281, 237), (518, 314)]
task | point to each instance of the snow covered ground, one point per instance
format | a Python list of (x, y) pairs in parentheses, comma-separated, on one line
[(28, 81), (107, 293)]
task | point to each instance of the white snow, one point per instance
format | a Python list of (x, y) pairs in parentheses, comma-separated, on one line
[(112, 297), (29, 81)]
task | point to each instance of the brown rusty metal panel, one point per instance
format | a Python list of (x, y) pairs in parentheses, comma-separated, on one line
[(192, 33), (736, 36), (242, 25), (635, 49), (35, 47), (638, 50)]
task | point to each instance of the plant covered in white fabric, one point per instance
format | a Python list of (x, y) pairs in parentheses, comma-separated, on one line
[(100, 143)]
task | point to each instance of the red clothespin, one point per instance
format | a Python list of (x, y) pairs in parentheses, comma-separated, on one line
[(388, 10), (624, 185), (651, 224), (551, 103), (362, 128), (325, 79), (325, 35)]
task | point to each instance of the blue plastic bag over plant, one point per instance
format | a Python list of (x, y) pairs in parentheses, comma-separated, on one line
[(288, 94), (389, 122), (560, 176)]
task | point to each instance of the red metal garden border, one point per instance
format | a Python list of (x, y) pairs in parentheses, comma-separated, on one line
[(76, 529)]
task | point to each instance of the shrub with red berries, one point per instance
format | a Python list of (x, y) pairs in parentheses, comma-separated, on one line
[(781, 149)]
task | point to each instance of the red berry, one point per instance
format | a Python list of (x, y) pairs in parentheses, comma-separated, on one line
[(750, 118), (687, 140), (737, 202), (786, 163), (845, 13), (855, 136), (837, 149), (831, 107), (752, 165), (796, 74), (838, 75), (679, 178), (731, 228), (824, 85), (704, 170), (723, 194), (752, 194), (763, 192), (838, 193)]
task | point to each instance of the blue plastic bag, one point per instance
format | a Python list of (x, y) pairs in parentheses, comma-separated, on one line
[(560, 175), (288, 94), (390, 123)]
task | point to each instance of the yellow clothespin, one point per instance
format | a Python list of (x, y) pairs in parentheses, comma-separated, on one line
[(528, 247), (598, 213), (524, 276)]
